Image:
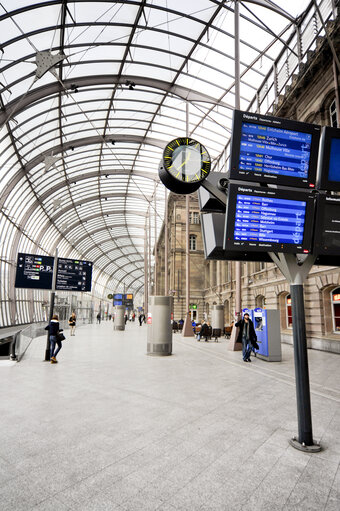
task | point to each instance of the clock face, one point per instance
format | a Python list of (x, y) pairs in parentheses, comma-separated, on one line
[(186, 160)]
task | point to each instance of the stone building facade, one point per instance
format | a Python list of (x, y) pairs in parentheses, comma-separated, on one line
[(312, 97)]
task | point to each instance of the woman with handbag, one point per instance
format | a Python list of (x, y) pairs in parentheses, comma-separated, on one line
[(55, 338), (72, 323)]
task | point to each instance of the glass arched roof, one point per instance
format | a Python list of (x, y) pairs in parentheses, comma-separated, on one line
[(92, 91)]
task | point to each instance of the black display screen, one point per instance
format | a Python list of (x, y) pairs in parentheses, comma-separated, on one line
[(329, 161), (273, 150), (34, 271), (327, 227), (265, 219), (73, 275)]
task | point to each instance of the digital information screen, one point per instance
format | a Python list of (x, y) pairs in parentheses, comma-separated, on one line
[(73, 275), (273, 150), (120, 299), (34, 271), (269, 219), (328, 178), (327, 226)]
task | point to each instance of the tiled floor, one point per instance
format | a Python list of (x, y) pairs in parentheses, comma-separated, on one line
[(110, 428)]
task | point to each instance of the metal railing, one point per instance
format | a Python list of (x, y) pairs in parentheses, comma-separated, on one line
[(309, 33)]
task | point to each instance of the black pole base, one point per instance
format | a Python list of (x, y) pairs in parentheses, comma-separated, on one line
[(47, 356), (305, 448)]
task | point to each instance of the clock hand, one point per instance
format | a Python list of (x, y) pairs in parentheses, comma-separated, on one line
[(185, 161)]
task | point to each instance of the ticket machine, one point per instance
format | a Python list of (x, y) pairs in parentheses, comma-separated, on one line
[(267, 328)]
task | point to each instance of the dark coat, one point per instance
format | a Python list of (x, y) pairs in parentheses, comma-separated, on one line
[(54, 327), (252, 334), (205, 330)]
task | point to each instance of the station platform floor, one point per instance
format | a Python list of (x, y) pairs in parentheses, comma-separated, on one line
[(110, 428)]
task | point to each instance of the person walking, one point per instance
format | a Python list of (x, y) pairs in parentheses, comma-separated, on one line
[(72, 322), (99, 317), (54, 329), (246, 335)]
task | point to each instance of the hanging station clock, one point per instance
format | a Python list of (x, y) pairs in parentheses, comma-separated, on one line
[(184, 165)]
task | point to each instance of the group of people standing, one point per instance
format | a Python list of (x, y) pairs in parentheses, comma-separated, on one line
[(246, 335)]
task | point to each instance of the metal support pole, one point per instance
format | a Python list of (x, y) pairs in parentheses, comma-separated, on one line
[(149, 247), (304, 413), (187, 256), (187, 248), (146, 277), (187, 328), (155, 226), (337, 92), (52, 299), (296, 269), (237, 106), (166, 245)]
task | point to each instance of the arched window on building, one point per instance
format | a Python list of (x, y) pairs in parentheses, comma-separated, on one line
[(335, 298), (333, 114), (260, 301), (192, 242), (289, 311)]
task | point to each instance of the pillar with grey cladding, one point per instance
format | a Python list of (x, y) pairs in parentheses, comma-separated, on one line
[(119, 312), (217, 316), (159, 334)]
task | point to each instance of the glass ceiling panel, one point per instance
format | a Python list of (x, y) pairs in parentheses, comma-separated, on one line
[(132, 96)]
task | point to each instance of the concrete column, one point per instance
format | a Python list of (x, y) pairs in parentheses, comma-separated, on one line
[(159, 335), (217, 316), (119, 312)]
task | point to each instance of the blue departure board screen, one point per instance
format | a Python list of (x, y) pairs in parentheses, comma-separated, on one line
[(272, 150), (269, 219), (334, 161)]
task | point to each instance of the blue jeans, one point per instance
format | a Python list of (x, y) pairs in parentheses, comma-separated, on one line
[(53, 341), (246, 349)]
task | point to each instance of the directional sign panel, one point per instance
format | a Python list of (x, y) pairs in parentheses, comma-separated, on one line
[(74, 275), (34, 271), (327, 226)]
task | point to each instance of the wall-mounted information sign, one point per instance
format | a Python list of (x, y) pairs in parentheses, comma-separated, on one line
[(327, 226), (273, 150), (34, 271), (266, 219), (329, 161), (73, 275)]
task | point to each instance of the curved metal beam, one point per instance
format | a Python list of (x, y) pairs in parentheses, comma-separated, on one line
[(272, 7), (92, 217), (79, 143), (130, 272), (80, 240), (63, 211), (97, 139), (19, 104), (117, 258)]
